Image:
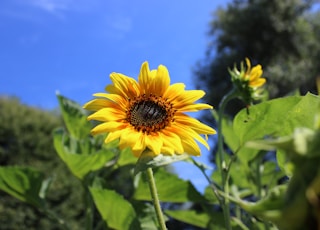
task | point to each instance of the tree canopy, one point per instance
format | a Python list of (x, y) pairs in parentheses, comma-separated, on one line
[(282, 36), (26, 140)]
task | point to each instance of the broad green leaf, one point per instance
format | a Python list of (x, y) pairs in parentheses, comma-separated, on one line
[(229, 136), (199, 219), (239, 173), (117, 212), (210, 195), (80, 164), (147, 215), (126, 157), (170, 188), (246, 154), (22, 183), (75, 118), (276, 117)]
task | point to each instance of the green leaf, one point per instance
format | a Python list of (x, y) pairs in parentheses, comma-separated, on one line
[(240, 174), (22, 183), (147, 159), (117, 212), (75, 118), (284, 164), (80, 164), (199, 219), (270, 174), (147, 215), (126, 157), (229, 135), (276, 117), (210, 196), (170, 188)]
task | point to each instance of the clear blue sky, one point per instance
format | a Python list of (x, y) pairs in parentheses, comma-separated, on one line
[(73, 45)]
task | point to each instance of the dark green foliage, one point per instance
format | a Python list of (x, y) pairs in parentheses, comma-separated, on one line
[(283, 36), (26, 140)]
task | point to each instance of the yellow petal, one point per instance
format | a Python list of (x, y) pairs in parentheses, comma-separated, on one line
[(191, 147), (108, 127), (154, 143), (162, 80), (117, 99), (129, 138), (153, 86), (248, 66), (256, 72), (168, 151), (188, 97), (257, 83), (144, 78), (113, 136), (140, 144), (172, 141), (188, 132), (193, 107), (126, 86), (174, 91), (194, 124), (108, 114), (97, 104)]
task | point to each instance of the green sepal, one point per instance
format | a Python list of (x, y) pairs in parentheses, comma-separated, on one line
[(148, 159)]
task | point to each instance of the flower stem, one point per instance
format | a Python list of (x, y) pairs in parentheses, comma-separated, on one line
[(88, 211), (155, 198), (222, 163)]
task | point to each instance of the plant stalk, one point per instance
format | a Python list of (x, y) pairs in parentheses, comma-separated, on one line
[(89, 206), (155, 198), (222, 163)]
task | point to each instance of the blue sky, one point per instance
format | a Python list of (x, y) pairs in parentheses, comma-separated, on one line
[(73, 45)]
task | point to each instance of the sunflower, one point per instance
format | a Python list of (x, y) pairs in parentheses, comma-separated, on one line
[(150, 114), (248, 81)]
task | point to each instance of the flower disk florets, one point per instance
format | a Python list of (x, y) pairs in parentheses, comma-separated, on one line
[(150, 113)]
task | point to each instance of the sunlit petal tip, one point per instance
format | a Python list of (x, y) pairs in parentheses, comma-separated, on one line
[(163, 76), (145, 68), (144, 76), (109, 88), (86, 105)]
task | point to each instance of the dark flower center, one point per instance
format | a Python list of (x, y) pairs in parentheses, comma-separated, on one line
[(149, 113)]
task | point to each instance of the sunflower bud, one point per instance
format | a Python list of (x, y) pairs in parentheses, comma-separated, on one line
[(248, 81)]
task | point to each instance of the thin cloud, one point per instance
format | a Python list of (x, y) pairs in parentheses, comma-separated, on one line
[(123, 24), (52, 6)]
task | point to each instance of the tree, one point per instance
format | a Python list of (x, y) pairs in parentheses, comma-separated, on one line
[(281, 35), (26, 140)]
